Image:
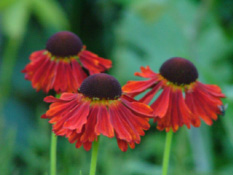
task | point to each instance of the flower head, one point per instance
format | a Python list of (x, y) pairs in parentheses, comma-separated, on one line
[(61, 65), (98, 108), (183, 100)]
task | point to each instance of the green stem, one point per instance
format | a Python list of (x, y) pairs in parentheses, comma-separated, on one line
[(53, 150), (94, 157), (166, 154)]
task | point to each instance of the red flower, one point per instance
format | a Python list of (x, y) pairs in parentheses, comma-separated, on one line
[(183, 99), (61, 65), (98, 108)]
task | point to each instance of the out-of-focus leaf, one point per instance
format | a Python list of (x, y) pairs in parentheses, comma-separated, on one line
[(201, 145), (7, 144), (141, 168), (6, 3), (210, 61), (139, 43), (228, 119), (149, 44), (15, 18), (16, 116), (150, 10), (50, 14), (125, 2)]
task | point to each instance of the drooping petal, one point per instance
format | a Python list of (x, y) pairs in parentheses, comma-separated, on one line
[(93, 63), (139, 108), (61, 108), (160, 106), (61, 119), (128, 124), (78, 73), (38, 74), (79, 118), (177, 113), (164, 122), (146, 72), (35, 55), (69, 96), (47, 72), (87, 146), (60, 76), (119, 124), (136, 87), (213, 90), (205, 103), (123, 145), (73, 136), (47, 78), (104, 125), (187, 116), (89, 134), (105, 63), (136, 123), (150, 95)]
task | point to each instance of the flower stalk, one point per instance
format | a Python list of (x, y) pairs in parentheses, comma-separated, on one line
[(94, 155), (166, 154), (53, 156)]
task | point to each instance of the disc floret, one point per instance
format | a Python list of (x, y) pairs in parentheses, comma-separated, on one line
[(179, 71), (101, 86), (64, 44)]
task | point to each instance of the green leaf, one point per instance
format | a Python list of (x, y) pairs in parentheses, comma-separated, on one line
[(50, 14), (150, 10), (6, 3), (15, 19)]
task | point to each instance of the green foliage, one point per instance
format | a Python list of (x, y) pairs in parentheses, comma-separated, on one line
[(133, 33), (50, 14)]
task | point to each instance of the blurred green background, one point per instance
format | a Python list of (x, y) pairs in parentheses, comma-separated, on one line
[(131, 33)]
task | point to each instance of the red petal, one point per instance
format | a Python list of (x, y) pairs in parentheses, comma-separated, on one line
[(177, 113), (160, 106), (68, 96), (78, 73), (122, 145), (146, 73), (50, 99), (132, 145), (150, 95), (128, 124), (35, 55), (213, 90), (136, 87), (87, 146), (135, 124), (59, 77), (44, 116), (39, 74), (119, 124), (47, 81), (104, 125), (139, 108), (61, 109), (78, 144), (89, 134), (102, 61), (73, 137), (93, 63), (79, 118), (203, 106)]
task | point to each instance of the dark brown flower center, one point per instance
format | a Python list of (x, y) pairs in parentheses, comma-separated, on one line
[(179, 71), (64, 44), (102, 86)]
